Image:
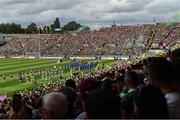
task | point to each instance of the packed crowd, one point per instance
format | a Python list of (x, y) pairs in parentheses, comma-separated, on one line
[(148, 88), (106, 41)]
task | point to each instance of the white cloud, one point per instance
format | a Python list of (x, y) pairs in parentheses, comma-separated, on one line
[(95, 13)]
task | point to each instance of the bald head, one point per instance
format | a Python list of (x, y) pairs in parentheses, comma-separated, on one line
[(54, 105)]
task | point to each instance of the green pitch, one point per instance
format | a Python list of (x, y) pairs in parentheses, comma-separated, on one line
[(9, 69)]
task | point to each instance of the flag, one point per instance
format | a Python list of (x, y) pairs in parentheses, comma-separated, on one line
[(97, 67), (58, 61), (127, 44), (150, 39)]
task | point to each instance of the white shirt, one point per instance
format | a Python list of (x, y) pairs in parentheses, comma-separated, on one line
[(81, 116), (173, 103)]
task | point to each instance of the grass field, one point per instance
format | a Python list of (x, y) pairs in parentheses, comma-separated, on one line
[(11, 67)]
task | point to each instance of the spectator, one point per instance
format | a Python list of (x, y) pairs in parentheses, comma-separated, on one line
[(131, 80), (120, 83), (70, 83), (71, 97), (100, 105), (175, 59), (160, 73), (26, 111), (87, 86), (55, 106), (150, 103), (175, 55), (16, 106), (37, 109), (107, 86), (176, 75)]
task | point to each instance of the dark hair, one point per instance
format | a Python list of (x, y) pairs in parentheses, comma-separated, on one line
[(70, 94), (88, 85), (175, 59), (38, 103), (122, 71), (161, 69), (120, 78), (145, 62), (71, 97), (151, 103), (70, 83), (100, 105), (175, 55), (133, 77), (106, 86), (16, 102), (176, 72)]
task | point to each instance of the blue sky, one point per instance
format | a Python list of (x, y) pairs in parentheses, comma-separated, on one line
[(94, 13)]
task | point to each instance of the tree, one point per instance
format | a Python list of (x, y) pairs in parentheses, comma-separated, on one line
[(48, 30), (52, 28), (2, 28), (32, 28), (10, 28), (71, 26), (40, 30), (44, 29), (18, 28), (14, 28), (56, 23), (7, 28)]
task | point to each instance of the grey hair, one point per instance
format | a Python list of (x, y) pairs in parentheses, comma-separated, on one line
[(56, 103)]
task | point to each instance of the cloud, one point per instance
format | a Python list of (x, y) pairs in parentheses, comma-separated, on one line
[(163, 6), (95, 13), (128, 5)]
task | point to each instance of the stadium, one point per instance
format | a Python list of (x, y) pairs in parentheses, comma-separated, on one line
[(120, 71)]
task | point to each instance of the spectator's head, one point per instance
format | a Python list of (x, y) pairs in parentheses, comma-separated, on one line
[(71, 97), (16, 102), (55, 105), (175, 55), (107, 85), (38, 103), (100, 105), (120, 81), (175, 59), (70, 83), (70, 94), (176, 75), (160, 71), (131, 79), (151, 103), (26, 111), (87, 85)]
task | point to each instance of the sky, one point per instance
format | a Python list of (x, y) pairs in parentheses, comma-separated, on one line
[(94, 13)]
